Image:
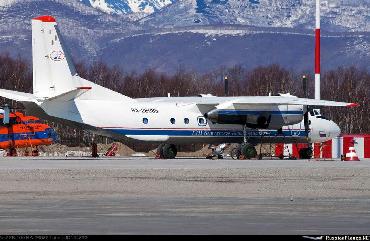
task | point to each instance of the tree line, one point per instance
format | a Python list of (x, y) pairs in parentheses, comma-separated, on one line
[(349, 84)]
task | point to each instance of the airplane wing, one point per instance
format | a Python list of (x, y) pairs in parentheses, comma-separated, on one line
[(303, 101), (263, 112), (242, 102)]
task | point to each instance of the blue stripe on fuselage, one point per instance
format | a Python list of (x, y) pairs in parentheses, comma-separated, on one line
[(208, 133)]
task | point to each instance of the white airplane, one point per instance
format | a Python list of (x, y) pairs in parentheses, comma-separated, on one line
[(59, 93)]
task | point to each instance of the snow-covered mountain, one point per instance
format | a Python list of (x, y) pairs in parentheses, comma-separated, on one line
[(337, 15), (196, 34), (128, 6)]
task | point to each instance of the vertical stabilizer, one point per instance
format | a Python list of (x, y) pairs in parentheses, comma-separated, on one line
[(53, 69)]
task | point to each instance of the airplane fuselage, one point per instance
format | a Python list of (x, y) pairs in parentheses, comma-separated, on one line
[(181, 121)]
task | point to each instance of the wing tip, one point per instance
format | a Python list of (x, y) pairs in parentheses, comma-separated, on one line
[(351, 105)]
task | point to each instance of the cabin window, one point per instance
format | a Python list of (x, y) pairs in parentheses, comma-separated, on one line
[(202, 121), (173, 121), (145, 121), (186, 121)]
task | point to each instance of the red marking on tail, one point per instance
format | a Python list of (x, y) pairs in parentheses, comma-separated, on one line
[(48, 19), (353, 105)]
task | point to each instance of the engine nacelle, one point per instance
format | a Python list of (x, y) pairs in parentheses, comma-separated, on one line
[(272, 118)]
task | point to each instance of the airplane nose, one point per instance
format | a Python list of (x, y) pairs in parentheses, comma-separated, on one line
[(334, 129)]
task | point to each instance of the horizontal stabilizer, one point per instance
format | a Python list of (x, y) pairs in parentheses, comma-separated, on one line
[(17, 96), (70, 95)]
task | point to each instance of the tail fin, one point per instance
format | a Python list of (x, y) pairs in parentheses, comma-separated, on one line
[(53, 69), (54, 73)]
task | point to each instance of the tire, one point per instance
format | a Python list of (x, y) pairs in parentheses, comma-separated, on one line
[(160, 151), (169, 151), (248, 151), (235, 153)]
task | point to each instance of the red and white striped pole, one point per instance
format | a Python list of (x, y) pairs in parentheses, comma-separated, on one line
[(317, 52)]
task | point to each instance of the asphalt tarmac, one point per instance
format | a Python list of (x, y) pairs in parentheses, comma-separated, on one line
[(183, 196)]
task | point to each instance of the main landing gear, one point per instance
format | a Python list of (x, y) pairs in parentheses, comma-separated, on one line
[(244, 151), (166, 151)]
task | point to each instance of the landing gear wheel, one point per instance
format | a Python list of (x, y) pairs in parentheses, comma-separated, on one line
[(159, 153), (169, 151), (248, 151), (305, 153), (235, 153)]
